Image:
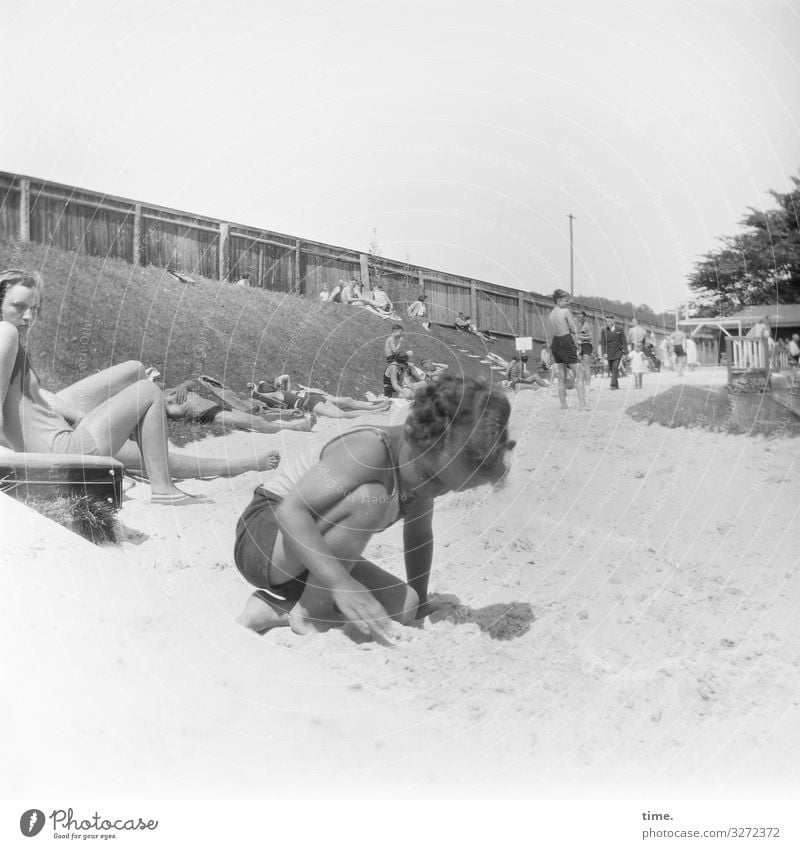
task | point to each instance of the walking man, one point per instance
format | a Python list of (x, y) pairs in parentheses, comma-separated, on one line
[(612, 344)]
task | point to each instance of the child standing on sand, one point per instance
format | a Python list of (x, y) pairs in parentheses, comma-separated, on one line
[(638, 365), (301, 540)]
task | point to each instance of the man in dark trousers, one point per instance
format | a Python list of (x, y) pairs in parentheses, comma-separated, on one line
[(612, 343)]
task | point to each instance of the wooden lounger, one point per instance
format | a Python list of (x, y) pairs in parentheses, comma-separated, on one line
[(47, 475)]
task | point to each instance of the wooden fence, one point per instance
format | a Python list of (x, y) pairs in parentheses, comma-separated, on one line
[(101, 225)]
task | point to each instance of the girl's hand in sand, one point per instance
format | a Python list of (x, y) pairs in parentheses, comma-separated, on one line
[(359, 606)]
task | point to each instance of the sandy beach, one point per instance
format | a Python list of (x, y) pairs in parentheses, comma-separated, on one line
[(628, 623)]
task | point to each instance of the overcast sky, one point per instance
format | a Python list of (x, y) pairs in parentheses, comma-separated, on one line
[(463, 132)]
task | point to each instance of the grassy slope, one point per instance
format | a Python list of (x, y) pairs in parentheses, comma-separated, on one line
[(99, 312)]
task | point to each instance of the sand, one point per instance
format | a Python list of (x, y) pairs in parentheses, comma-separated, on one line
[(628, 623)]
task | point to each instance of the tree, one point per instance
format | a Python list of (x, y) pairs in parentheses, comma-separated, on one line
[(758, 266), (377, 264)]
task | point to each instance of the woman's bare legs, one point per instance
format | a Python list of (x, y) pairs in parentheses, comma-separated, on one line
[(138, 411), (331, 411), (245, 421), (347, 403), (184, 466), (92, 391)]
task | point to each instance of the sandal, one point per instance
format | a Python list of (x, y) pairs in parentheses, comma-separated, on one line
[(180, 499)]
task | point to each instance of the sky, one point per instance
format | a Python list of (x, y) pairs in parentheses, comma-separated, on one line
[(461, 134)]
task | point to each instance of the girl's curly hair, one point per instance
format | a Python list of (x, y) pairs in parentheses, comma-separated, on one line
[(464, 413)]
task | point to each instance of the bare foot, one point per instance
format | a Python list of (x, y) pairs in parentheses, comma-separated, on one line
[(268, 461), (259, 615), (321, 619)]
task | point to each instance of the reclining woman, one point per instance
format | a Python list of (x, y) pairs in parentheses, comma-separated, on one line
[(301, 539), (278, 393), (98, 415)]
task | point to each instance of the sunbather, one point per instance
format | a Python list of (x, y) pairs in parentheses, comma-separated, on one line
[(278, 393), (117, 412), (184, 403)]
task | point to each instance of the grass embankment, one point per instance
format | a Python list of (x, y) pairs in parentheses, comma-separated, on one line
[(100, 312), (716, 410)]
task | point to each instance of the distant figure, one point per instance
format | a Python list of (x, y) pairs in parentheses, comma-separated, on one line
[(351, 291), (393, 343), (417, 308), (336, 294), (396, 377), (759, 329), (666, 353), (462, 323), (564, 349), (678, 339), (636, 334), (638, 365), (613, 345), (516, 377), (691, 353), (430, 370), (585, 344), (794, 349), (244, 281)]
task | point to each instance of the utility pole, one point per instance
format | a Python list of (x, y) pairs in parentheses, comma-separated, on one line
[(571, 260)]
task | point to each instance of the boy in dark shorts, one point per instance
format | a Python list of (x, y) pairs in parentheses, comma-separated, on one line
[(564, 349)]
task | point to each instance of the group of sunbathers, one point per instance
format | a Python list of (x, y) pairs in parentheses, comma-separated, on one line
[(401, 376), (352, 292)]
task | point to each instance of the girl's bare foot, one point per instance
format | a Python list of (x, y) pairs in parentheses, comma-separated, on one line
[(259, 615), (303, 620)]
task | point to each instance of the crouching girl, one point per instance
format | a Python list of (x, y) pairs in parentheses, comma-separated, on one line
[(300, 542)]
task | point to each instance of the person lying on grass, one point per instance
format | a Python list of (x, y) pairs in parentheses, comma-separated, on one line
[(184, 403), (117, 412), (277, 392), (301, 539)]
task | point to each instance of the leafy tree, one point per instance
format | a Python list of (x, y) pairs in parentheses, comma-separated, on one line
[(758, 266)]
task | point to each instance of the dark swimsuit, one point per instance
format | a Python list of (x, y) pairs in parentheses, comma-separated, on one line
[(258, 527)]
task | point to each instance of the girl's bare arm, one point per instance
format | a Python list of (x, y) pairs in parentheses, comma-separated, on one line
[(418, 546), (302, 512)]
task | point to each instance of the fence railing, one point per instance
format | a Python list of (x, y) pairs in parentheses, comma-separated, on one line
[(144, 234)]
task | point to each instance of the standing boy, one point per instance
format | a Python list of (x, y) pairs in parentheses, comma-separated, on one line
[(564, 349)]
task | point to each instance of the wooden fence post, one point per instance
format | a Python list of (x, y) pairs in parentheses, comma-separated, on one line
[(224, 251), (473, 302), (363, 260), (137, 234), (24, 210), (521, 317), (421, 280), (297, 280)]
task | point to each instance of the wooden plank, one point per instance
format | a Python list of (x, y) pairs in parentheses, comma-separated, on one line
[(223, 252), (93, 204), (24, 210), (188, 225), (137, 234)]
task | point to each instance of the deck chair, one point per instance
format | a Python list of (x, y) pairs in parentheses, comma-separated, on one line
[(48, 475)]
